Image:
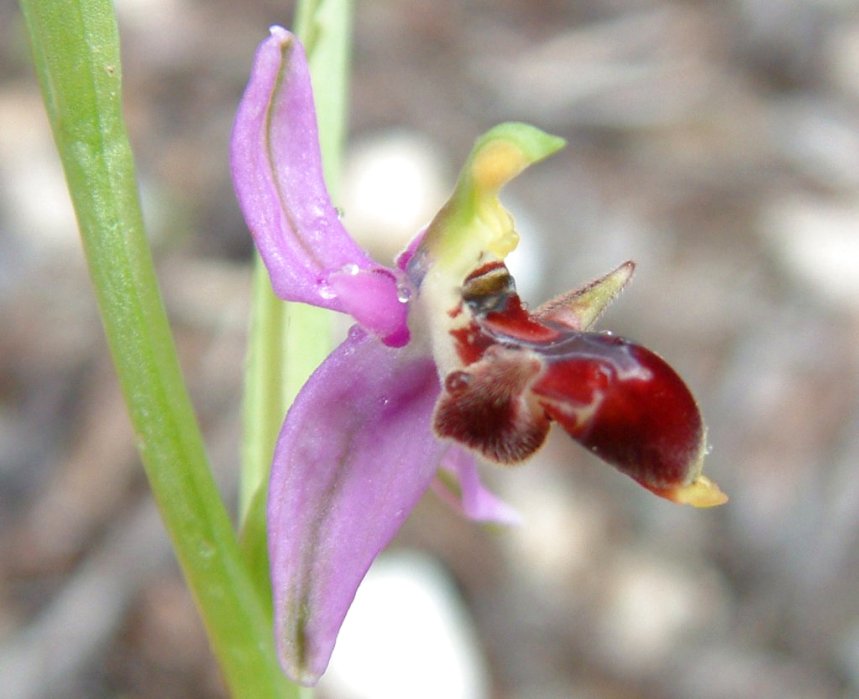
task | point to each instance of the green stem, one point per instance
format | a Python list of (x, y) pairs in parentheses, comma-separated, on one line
[(75, 47)]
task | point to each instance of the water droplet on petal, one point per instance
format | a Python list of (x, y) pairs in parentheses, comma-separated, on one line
[(404, 293), (350, 268), (327, 293)]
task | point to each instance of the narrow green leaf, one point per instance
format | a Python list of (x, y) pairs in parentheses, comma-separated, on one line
[(75, 47)]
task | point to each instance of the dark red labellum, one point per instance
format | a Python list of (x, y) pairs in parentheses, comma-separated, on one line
[(625, 404), (618, 399)]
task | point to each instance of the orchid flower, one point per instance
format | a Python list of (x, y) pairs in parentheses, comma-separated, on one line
[(443, 365)]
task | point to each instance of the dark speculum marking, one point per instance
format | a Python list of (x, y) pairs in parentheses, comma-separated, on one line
[(488, 288)]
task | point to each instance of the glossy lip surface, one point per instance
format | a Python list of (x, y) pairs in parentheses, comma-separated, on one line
[(619, 400)]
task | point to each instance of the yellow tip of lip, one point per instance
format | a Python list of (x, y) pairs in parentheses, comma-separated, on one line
[(701, 492), (496, 164)]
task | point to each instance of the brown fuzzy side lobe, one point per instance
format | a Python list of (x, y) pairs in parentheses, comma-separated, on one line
[(488, 406)]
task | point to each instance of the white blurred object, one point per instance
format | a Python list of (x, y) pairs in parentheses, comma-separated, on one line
[(406, 635), (393, 184), (527, 261), (842, 57), (38, 211), (817, 241), (651, 605), (169, 29), (557, 562)]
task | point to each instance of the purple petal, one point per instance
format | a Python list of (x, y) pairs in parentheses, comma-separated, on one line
[(354, 456), (474, 500), (277, 175), (373, 298)]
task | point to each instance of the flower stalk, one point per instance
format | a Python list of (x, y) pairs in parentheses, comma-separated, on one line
[(75, 48)]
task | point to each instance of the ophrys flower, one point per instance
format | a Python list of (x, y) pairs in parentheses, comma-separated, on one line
[(444, 362)]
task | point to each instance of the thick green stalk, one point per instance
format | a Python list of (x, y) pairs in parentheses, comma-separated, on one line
[(75, 47), (288, 341), (325, 29)]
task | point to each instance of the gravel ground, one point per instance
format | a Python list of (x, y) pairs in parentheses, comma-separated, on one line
[(717, 144)]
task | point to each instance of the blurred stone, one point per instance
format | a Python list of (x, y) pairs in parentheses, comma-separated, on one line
[(842, 58), (407, 634), (35, 207), (819, 138), (848, 657), (741, 670), (562, 535), (651, 607), (393, 184), (816, 240)]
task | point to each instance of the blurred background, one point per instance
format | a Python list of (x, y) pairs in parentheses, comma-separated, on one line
[(717, 144)]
